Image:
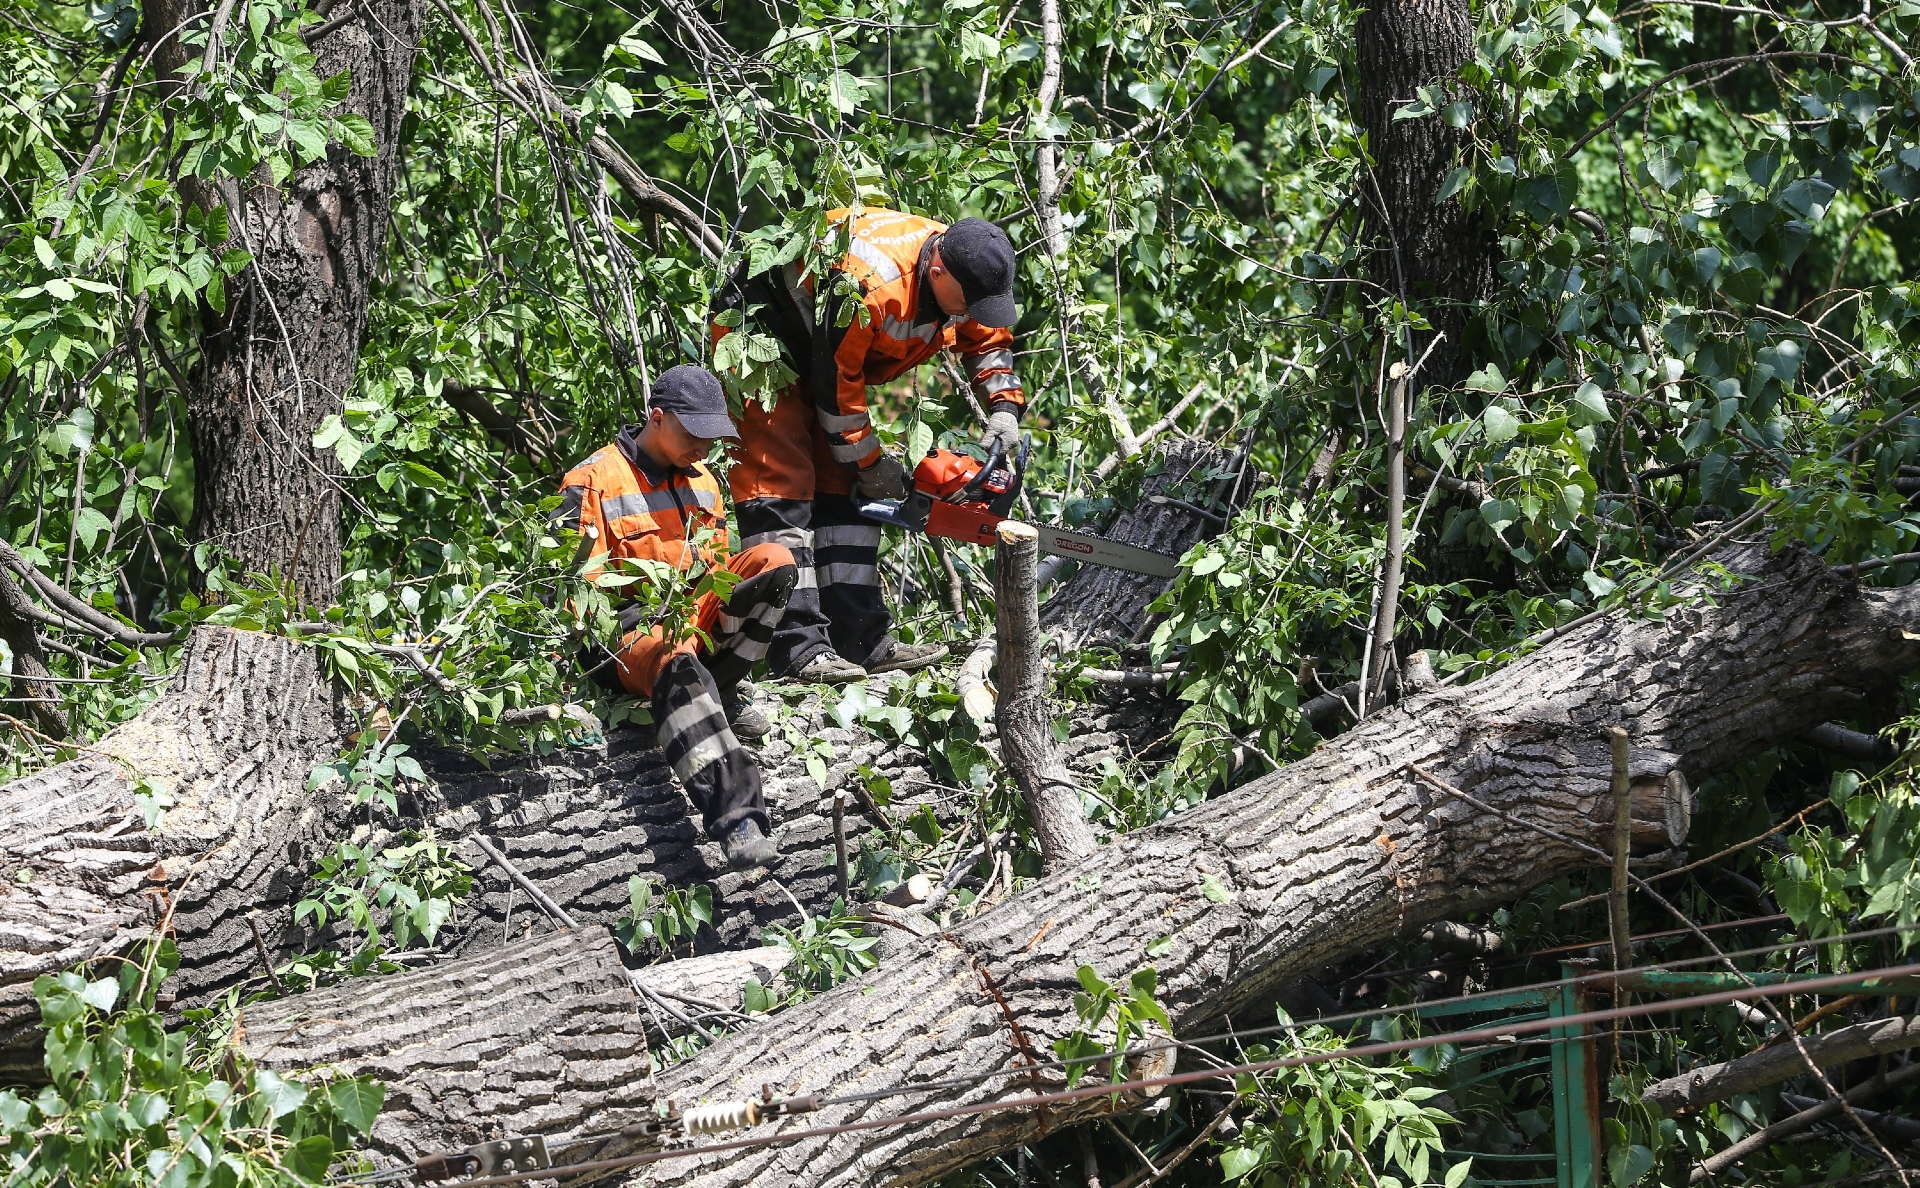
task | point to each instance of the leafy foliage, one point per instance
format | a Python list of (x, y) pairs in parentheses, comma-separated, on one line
[(384, 899), (679, 914), (1105, 1010), (132, 1103), (1318, 1122)]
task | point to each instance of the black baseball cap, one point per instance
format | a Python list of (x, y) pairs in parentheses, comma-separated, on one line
[(980, 257), (694, 394)]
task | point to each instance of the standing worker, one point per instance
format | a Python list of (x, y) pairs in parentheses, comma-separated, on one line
[(650, 496), (925, 287)]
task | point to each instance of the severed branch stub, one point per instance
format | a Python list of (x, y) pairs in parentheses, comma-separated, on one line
[(1024, 717)]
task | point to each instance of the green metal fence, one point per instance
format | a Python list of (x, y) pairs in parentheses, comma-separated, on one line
[(1573, 1064)]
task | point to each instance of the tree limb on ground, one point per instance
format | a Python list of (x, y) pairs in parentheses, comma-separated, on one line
[(1770, 1066), (1806, 1118)]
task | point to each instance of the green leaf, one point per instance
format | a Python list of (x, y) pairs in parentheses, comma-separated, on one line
[(1457, 180), (102, 994), (1501, 424), (1236, 1162), (1590, 405), (310, 138), (1666, 172), (89, 525), (356, 1101), (1457, 1174), (281, 1096), (356, 133), (1149, 95), (309, 1158), (1487, 379), (1215, 890)]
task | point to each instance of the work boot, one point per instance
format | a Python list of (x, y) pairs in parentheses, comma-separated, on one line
[(750, 723), (748, 847), (894, 656), (830, 668)]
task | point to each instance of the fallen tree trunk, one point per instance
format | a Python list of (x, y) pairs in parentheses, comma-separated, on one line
[(1329, 856), (222, 759), (544, 1036), (1101, 604), (1772, 1065)]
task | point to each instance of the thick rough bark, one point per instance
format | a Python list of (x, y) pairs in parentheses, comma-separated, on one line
[(1335, 853), (542, 1036), (1770, 1066), (579, 823), (1110, 605), (1440, 258), (231, 742), (281, 358)]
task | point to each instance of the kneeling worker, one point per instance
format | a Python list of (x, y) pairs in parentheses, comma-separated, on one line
[(648, 496)]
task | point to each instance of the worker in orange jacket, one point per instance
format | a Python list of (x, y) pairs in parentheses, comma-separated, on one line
[(924, 287), (650, 496)]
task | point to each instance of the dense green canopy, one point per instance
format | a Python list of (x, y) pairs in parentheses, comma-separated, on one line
[(1693, 226)]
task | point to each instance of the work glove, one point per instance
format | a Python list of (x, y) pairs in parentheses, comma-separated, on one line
[(885, 479), (1003, 429)]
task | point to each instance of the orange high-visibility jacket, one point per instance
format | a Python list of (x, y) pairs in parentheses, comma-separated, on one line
[(640, 510), (901, 328)]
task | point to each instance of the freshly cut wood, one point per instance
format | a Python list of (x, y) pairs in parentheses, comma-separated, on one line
[(1025, 714), (544, 1036), (1100, 604), (222, 759), (1331, 855), (1772, 1065)]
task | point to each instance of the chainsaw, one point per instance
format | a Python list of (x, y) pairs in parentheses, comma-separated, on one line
[(959, 497)]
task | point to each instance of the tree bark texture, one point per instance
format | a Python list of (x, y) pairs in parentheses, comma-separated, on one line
[(1326, 857), (1098, 604), (1772, 1065), (541, 1036), (1438, 258), (231, 742), (282, 356), (34, 697), (1024, 717), (579, 823)]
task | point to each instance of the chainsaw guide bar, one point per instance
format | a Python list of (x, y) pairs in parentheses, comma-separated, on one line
[(957, 497)]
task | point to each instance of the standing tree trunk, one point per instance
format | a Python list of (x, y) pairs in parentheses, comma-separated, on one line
[(228, 825), (280, 360), (1439, 258)]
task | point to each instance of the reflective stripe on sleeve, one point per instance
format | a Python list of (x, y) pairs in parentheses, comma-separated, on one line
[(989, 361), (843, 422), (874, 258)]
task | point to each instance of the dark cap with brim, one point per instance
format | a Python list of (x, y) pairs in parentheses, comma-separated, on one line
[(980, 257), (694, 395)]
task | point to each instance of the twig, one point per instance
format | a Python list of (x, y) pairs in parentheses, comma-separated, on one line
[(1622, 847), (840, 842), (260, 947), (553, 910)]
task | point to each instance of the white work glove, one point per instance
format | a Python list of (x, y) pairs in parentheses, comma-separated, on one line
[(885, 479), (1003, 430)]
